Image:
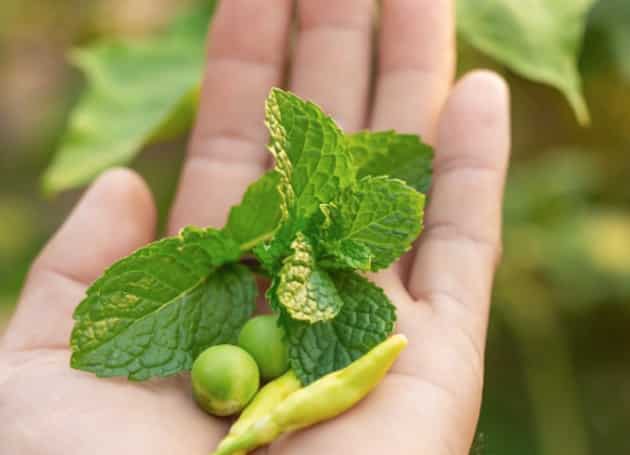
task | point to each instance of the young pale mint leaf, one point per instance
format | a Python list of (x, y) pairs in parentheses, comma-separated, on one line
[(303, 289), (381, 214), (400, 156), (151, 313), (136, 91), (310, 153), (366, 318), (256, 218), (539, 39)]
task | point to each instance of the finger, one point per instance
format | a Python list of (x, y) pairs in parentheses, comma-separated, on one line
[(416, 65), (114, 217), (401, 416), (227, 150), (460, 246), (331, 65)]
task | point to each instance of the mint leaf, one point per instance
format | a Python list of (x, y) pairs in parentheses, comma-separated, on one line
[(310, 153), (255, 219), (272, 252), (540, 40), (348, 254), (136, 91), (151, 313), (400, 156), (381, 214), (366, 318), (304, 290)]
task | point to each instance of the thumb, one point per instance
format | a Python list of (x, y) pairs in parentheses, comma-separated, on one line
[(113, 218)]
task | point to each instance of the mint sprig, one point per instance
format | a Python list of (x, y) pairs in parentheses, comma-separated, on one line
[(335, 205)]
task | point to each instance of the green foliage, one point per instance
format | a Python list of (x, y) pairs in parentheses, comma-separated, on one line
[(538, 39), (271, 253), (333, 221), (609, 29), (346, 254), (152, 312), (380, 215), (555, 232), (310, 154), (400, 156), (304, 290), (552, 190), (257, 216), (136, 91), (366, 318)]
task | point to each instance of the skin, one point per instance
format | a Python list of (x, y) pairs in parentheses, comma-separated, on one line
[(429, 402)]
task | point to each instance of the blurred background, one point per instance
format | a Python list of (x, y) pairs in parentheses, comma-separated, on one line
[(558, 362)]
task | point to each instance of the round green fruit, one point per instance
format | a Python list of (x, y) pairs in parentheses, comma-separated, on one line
[(265, 341), (224, 378)]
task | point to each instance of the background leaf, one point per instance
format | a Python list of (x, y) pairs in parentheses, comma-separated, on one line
[(151, 313), (608, 43), (539, 39), (133, 90), (366, 318)]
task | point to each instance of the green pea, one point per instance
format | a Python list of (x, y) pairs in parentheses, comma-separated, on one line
[(265, 341), (224, 378)]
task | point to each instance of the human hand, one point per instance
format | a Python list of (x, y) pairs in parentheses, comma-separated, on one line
[(430, 401)]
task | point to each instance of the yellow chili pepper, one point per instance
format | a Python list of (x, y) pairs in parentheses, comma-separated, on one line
[(265, 400), (323, 399)]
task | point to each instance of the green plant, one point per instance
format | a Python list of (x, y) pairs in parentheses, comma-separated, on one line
[(264, 339), (313, 224), (538, 39), (224, 379)]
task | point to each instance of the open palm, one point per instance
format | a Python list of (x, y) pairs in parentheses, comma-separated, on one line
[(429, 404)]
